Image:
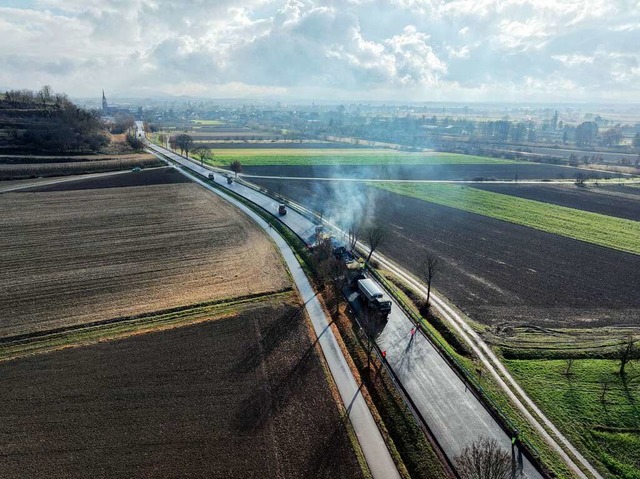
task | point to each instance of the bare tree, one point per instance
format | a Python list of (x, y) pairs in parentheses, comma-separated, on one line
[(353, 234), (204, 154), (184, 142), (45, 94), (484, 459), (628, 351), (236, 167), (428, 271), (375, 235), (372, 326)]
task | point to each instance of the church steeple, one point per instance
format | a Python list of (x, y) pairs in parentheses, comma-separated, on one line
[(104, 102)]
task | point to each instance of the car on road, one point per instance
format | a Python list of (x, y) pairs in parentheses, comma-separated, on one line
[(282, 209), (210, 176), (135, 169)]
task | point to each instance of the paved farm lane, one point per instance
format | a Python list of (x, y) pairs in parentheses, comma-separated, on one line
[(373, 445), (454, 414)]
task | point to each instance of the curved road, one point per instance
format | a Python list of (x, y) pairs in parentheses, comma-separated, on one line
[(373, 446)]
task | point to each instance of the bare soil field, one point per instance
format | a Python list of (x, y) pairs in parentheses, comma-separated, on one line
[(631, 189), (85, 253), (39, 159), (493, 270), (427, 172), (236, 397), (72, 166), (594, 199), (155, 176)]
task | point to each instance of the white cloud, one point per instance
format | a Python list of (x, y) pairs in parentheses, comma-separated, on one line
[(405, 49)]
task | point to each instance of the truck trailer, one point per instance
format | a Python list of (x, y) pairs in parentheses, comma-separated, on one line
[(374, 297)]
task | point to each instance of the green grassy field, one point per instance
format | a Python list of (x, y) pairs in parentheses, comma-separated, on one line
[(607, 426), (341, 156), (209, 122), (616, 233)]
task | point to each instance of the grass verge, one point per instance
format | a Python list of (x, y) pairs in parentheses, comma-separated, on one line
[(617, 233), (592, 404), (24, 345)]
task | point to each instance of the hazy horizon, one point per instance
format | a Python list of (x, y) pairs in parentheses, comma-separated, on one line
[(400, 51)]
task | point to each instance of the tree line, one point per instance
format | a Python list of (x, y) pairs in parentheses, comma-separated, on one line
[(47, 121)]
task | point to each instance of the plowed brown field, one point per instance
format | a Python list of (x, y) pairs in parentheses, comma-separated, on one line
[(69, 257), (237, 397), (495, 271)]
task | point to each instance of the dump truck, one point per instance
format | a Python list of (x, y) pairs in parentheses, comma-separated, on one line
[(374, 297)]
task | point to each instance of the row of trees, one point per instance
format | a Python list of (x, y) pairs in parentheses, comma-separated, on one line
[(185, 142)]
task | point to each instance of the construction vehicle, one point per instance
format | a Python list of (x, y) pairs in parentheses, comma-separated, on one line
[(282, 209), (374, 297)]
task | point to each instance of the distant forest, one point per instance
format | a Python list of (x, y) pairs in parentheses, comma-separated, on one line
[(44, 121)]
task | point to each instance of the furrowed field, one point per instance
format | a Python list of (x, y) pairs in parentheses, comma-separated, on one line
[(149, 329), (603, 230), (498, 272), (237, 394), (92, 250)]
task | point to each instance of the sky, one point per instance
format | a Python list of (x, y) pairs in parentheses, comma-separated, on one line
[(344, 50)]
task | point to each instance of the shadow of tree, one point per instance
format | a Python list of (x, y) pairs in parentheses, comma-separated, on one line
[(271, 398), (270, 337)]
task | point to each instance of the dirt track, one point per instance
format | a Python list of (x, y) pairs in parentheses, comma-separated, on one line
[(497, 271), (231, 398), (81, 255)]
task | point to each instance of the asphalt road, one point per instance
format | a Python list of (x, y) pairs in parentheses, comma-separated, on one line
[(452, 412), (373, 446)]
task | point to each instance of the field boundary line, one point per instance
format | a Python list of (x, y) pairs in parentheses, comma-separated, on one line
[(40, 335), (63, 179)]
